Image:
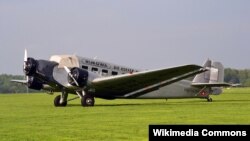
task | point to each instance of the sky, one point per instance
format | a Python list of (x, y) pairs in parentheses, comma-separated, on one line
[(143, 34)]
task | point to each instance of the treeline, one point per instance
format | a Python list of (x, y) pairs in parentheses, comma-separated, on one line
[(6, 86), (233, 76)]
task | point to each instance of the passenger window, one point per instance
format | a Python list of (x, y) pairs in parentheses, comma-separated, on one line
[(114, 73), (94, 69), (85, 67), (104, 72)]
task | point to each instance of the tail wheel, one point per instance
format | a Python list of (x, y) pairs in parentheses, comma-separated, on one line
[(57, 102), (88, 101), (209, 99)]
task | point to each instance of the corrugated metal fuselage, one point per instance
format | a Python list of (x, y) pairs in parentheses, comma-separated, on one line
[(180, 89)]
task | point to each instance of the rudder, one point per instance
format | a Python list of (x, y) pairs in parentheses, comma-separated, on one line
[(214, 73)]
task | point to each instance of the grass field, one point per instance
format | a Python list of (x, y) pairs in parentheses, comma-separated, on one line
[(33, 117)]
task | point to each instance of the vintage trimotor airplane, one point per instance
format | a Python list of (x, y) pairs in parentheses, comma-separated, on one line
[(90, 78)]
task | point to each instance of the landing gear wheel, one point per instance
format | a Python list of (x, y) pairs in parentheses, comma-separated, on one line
[(88, 101), (57, 102), (209, 99)]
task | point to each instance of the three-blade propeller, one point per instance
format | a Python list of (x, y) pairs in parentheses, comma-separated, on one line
[(25, 55), (70, 74)]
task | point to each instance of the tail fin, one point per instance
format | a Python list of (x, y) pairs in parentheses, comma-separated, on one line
[(213, 77), (203, 77)]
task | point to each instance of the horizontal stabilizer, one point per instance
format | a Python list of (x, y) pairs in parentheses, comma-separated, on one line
[(211, 85)]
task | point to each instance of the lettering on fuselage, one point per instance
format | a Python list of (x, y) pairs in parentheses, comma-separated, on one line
[(95, 63), (107, 66), (123, 69)]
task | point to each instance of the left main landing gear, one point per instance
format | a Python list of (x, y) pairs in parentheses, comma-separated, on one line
[(57, 102), (61, 100)]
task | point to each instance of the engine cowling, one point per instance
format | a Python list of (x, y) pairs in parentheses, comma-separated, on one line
[(80, 75), (34, 83), (29, 67)]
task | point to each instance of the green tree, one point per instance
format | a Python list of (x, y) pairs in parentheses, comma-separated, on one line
[(6, 86)]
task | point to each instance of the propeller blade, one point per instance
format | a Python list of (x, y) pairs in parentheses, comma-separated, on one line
[(69, 72), (25, 55), (67, 69)]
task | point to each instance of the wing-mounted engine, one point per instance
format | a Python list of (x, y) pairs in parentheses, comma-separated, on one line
[(34, 83), (79, 77)]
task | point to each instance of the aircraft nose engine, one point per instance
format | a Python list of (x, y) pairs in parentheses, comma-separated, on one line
[(80, 76), (30, 66), (34, 83)]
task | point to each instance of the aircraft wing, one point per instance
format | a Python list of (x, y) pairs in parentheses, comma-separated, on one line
[(20, 81), (128, 83)]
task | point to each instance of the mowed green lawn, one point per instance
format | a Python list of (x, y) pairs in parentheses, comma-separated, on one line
[(33, 117)]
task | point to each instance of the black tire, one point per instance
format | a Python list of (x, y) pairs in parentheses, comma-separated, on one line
[(88, 101), (57, 102), (209, 99)]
